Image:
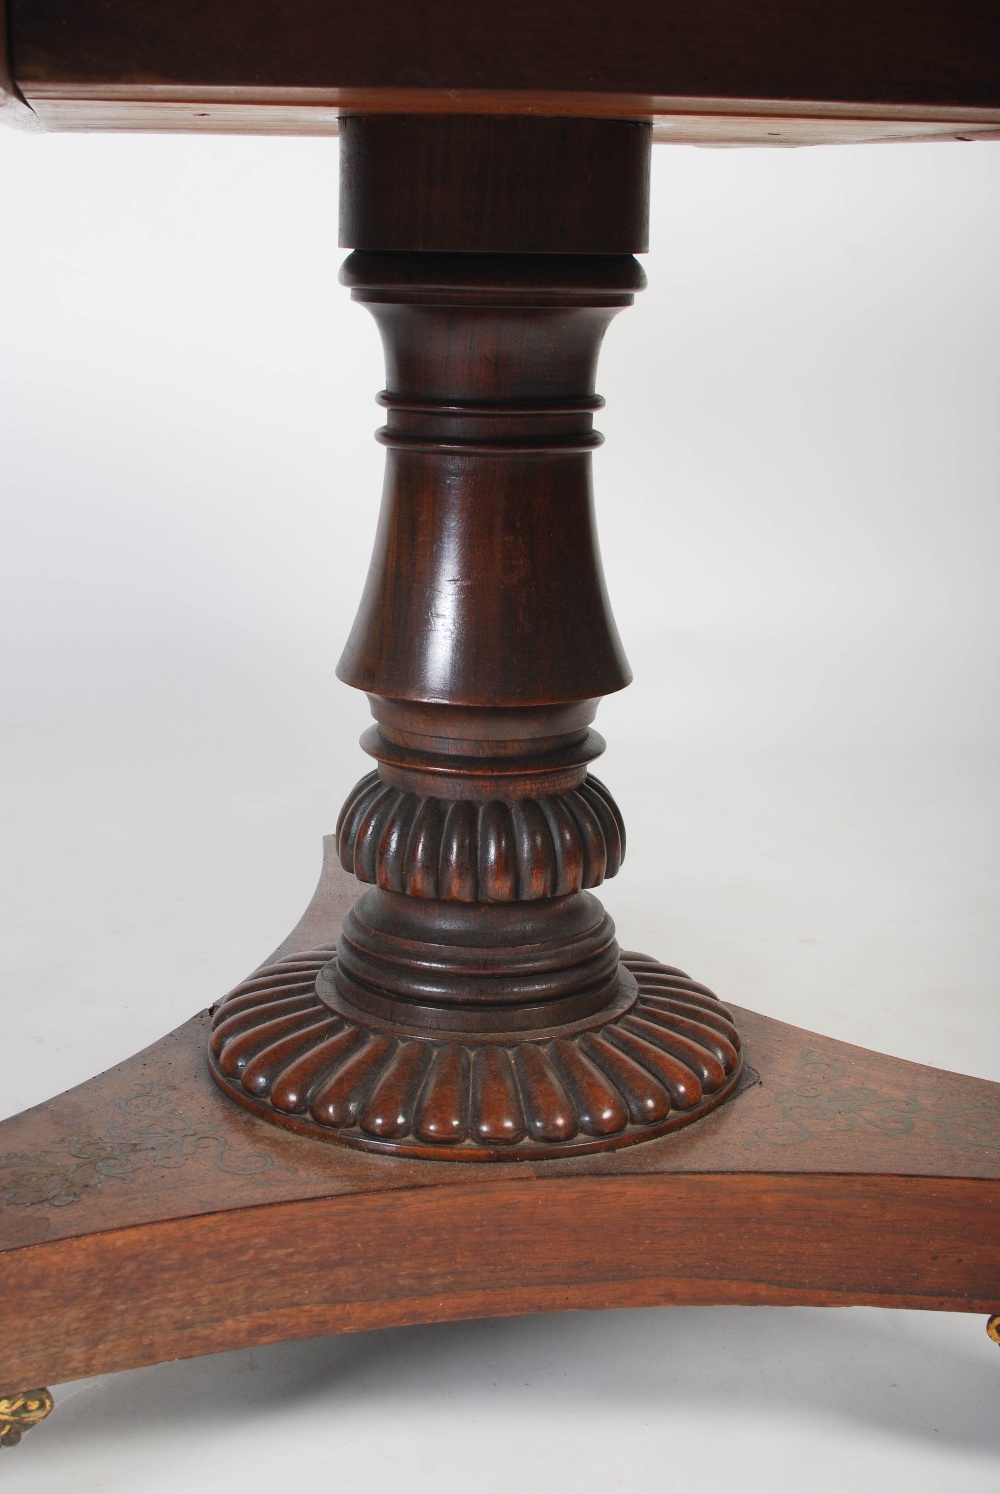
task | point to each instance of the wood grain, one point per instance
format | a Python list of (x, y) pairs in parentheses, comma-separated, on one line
[(708, 122), (476, 1006), (482, 184), (780, 71), (129, 1297), (144, 1217)]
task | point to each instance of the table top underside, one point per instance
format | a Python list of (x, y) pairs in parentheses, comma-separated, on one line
[(711, 72)]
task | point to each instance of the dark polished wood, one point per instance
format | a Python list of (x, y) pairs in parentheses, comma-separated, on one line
[(485, 588), (476, 1005), (443, 184), (772, 72), (13, 110), (144, 1217), (473, 1002)]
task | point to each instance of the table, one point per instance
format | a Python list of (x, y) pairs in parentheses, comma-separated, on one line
[(474, 1008)]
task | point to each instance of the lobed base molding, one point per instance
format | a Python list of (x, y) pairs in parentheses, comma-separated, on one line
[(145, 1217)]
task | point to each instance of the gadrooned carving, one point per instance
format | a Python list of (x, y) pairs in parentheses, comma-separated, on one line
[(288, 1056), (459, 851)]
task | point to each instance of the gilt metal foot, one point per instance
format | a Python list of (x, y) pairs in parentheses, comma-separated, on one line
[(19, 1413)]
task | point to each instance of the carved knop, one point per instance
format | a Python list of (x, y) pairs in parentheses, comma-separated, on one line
[(457, 851)]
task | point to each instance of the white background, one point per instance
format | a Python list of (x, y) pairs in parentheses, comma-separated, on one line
[(800, 521)]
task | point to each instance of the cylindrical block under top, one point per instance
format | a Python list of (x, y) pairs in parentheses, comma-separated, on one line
[(479, 183)]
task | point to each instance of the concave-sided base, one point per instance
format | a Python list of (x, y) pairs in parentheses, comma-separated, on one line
[(289, 1047), (145, 1217)]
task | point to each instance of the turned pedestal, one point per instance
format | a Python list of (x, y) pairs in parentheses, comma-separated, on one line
[(477, 1006)]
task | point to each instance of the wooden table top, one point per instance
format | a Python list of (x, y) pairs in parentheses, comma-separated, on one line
[(760, 72)]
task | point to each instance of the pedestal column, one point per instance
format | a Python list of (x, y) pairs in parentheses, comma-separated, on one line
[(477, 1005)]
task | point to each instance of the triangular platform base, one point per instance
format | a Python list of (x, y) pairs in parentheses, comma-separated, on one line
[(145, 1217)]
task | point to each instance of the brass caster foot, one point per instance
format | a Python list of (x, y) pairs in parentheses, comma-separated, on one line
[(19, 1413), (993, 1328)]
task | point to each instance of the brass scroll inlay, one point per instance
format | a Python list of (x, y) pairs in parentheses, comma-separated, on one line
[(19, 1413)]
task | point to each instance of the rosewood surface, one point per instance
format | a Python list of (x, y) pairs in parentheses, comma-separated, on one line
[(477, 1005), (473, 1001), (774, 72), (144, 1217)]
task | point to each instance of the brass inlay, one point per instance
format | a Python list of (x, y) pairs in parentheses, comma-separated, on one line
[(19, 1413)]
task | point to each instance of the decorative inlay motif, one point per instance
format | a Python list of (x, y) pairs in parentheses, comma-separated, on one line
[(19, 1413), (152, 1135), (459, 851), (288, 1056), (826, 1101)]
